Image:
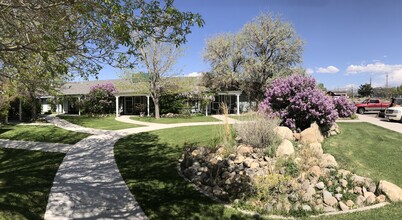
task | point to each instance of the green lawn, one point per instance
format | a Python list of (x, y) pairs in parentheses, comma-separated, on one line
[(368, 150), (176, 120), (48, 133), (25, 181), (147, 162), (104, 123)]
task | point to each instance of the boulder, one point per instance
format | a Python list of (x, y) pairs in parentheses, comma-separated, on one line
[(320, 185), (392, 191), (350, 203), (381, 198), (285, 149), (343, 206), (239, 159), (329, 209), (306, 208), (296, 136), (328, 161), (360, 201), (308, 196), (311, 135), (244, 150), (329, 199), (316, 170), (316, 149), (284, 133)]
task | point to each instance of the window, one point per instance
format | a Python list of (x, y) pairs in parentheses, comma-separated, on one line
[(374, 101)]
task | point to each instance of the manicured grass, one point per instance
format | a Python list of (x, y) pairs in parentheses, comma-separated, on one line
[(147, 162), (368, 150), (176, 120), (25, 181), (243, 117), (104, 123), (48, 133)]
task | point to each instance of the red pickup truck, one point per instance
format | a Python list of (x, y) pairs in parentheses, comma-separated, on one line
[(371, 105)]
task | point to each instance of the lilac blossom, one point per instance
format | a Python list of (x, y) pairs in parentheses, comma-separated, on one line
[(298, 102), (344, 107)]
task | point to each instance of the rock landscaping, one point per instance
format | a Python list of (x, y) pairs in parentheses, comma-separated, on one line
[(298, 179)]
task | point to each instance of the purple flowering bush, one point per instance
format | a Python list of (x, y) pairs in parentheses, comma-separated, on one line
[(100, 99), (298, 103), (344, 107)]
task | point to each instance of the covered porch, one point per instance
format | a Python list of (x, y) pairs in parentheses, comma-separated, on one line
[(132, 104), (230, 98)]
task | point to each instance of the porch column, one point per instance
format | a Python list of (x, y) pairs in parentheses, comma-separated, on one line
[(20, 110), (148, 105), (117, 106), (238, 103), (206, 110), (79, 105)]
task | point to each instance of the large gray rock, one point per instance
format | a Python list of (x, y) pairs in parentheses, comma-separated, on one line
[(284, 133), (329, 199), (311, 135), (343, 206), (392, 191), (328, 161), (285, 149)]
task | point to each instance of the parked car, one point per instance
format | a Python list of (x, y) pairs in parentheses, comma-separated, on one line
[(373, 105), (394, 113)]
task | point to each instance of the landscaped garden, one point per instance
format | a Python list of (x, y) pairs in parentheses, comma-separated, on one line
[(173, 120), (25, 181), (45, 133), (98, 122), (148, 163)]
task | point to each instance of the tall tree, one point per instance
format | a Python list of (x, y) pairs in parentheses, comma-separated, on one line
[(76, 38), (84, 34), (159, 59), (365, 90), (264, 49), (225, 55)]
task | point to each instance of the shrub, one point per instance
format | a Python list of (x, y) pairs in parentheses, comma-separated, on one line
[(258, 131), (100, 99), (298, 103), (344, 107)]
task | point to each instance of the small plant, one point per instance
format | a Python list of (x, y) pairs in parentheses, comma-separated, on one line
[(226, 134), (291, 168), (258, 131)]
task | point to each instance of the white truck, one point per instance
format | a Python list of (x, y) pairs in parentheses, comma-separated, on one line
[(394, 112)]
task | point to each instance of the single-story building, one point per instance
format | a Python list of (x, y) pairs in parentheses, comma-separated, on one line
[(134, 99)]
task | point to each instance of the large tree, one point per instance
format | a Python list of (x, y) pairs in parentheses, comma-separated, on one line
[(78, 37), (158, 58), (264, 49)]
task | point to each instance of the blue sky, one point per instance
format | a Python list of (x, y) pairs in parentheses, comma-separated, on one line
[(347, 42)]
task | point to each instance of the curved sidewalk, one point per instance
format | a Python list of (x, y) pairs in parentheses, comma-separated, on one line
[(88, 184)]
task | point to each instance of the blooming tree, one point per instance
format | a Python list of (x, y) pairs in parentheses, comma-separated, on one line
[(100, 99), (344, 107), (298, 102)]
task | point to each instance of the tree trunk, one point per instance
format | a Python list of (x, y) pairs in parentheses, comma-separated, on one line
[(156, 104), (33, 106)]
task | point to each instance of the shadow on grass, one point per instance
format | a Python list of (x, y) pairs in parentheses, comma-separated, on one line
[(149, 169), (50, 134), (25, 181)]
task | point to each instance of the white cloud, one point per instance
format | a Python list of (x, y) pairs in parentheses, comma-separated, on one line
[(379, 70), (328, 69), (194, 74), (309, 71)]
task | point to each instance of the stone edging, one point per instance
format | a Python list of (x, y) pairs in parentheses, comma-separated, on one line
[(252, 213)]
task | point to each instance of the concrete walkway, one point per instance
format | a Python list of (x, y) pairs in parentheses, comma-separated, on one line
[(382, 122), (88, 184)]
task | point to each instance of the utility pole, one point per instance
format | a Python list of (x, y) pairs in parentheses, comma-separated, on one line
[(386, 81)]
